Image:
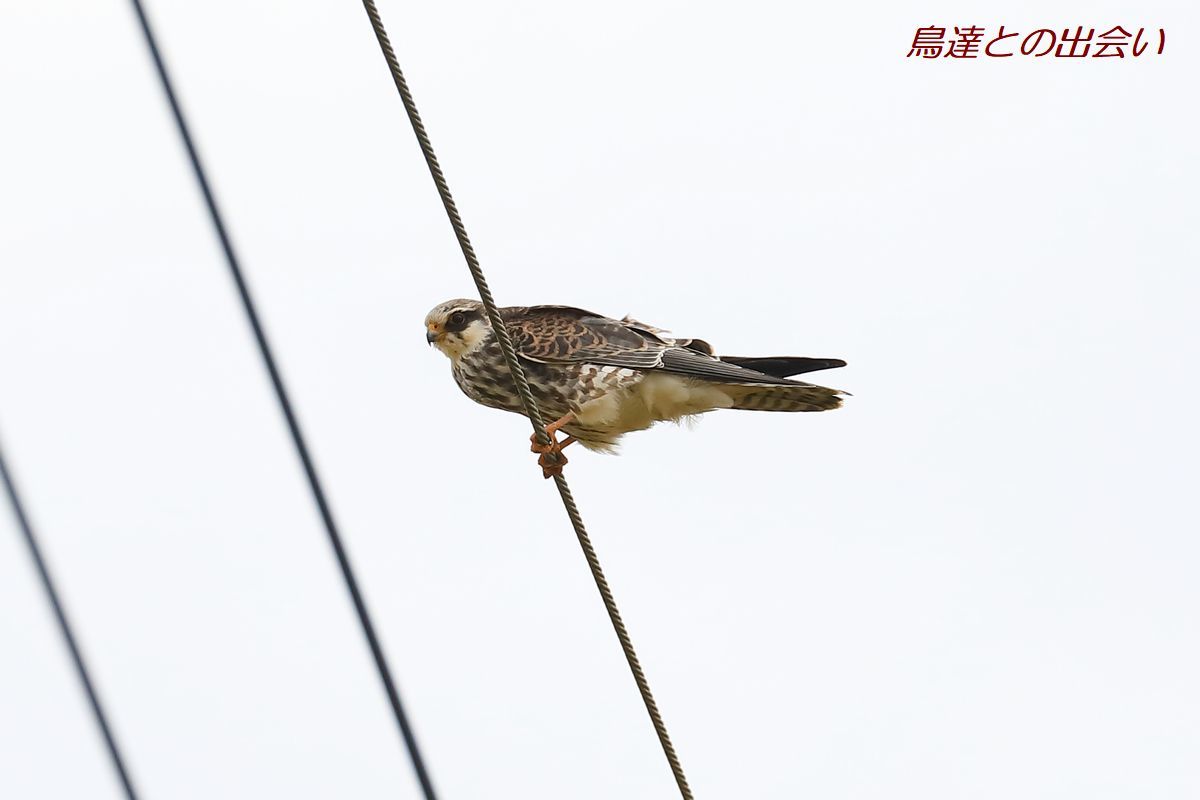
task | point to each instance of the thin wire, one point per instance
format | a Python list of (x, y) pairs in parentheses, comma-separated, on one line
[(64, 627), (527, 399), (293, 424)]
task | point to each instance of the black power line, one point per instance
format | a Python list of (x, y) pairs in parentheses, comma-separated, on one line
[(64, 626), (285, 405)]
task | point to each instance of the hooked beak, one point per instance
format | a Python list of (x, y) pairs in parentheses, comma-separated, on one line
[(431, 337)]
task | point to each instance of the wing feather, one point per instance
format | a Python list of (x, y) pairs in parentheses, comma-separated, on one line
[(564, 334), (689, 362), (558, 334)]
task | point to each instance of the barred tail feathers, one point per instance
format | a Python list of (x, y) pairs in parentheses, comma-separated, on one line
[(803, 397)]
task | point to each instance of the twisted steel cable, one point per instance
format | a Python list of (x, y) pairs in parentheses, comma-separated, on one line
[(64, 627), (285, 405), (527, 399)]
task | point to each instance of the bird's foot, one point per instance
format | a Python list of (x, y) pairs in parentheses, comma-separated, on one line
[(551, 458), (550, 468)]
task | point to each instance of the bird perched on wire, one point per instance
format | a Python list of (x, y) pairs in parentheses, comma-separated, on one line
[(599, 378)]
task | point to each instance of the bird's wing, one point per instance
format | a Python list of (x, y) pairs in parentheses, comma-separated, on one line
[(699, 345), (562, 334), (558, 334), (784, 366)]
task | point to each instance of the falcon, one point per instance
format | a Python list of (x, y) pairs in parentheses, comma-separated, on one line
[(599, 378)]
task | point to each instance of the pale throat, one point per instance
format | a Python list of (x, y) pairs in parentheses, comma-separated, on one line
[(457, 345)]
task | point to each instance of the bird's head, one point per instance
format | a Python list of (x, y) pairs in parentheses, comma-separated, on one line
[(457, 327)]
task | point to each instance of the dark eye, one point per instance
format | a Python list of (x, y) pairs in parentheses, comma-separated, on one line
[(458, 318)]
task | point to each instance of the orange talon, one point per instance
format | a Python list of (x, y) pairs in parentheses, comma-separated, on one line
[(552, 459), (549, 470)]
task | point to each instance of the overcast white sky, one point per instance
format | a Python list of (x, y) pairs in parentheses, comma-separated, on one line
[(978, 579)]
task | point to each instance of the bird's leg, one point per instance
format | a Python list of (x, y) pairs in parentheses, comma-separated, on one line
[(552, 459), (551, 431)]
